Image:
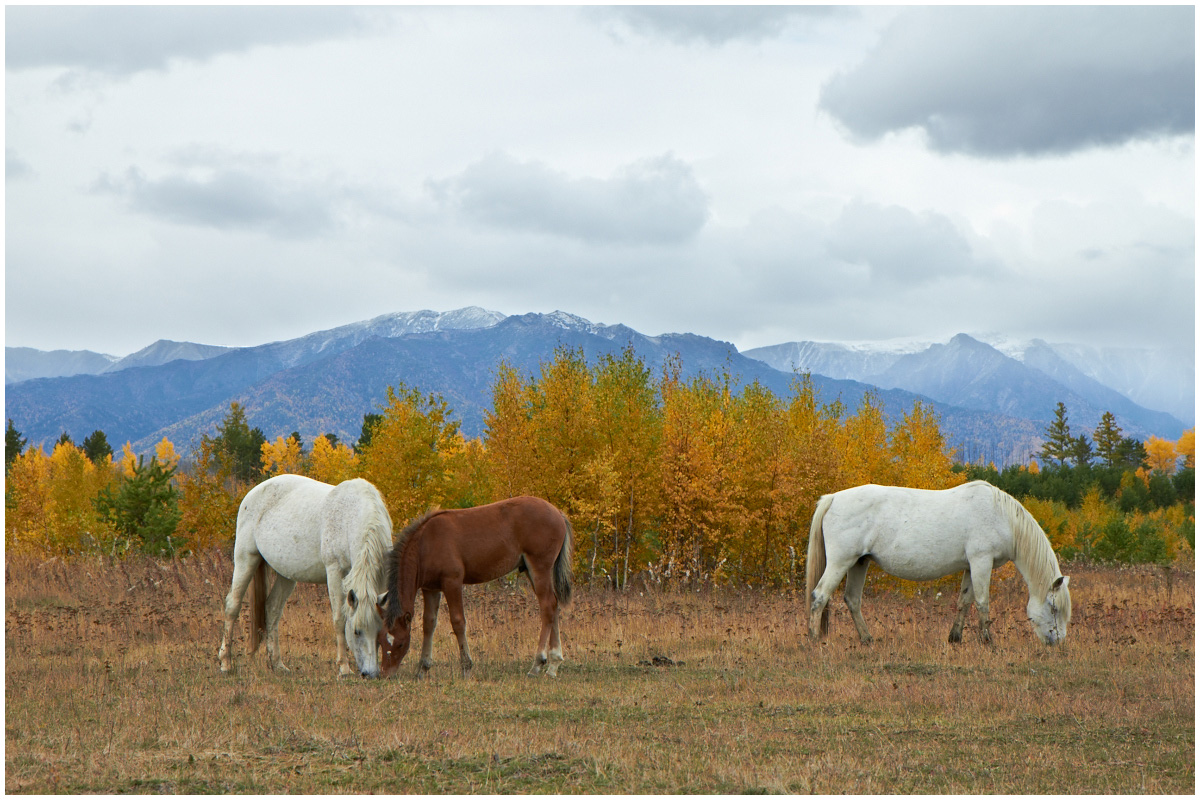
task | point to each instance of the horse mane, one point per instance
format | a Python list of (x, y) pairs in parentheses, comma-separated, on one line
[(1032, 552), (393, 609), (371, 557)]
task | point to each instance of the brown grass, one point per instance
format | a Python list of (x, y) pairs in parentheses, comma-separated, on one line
[(112, 685)]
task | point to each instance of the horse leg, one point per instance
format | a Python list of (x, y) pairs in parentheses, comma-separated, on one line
[(855, 579), (432, 601), (556, 653), (964, 604), (458, 621), (821, 595), (243, 572), (337, 601), (981, 582), (280, 591), (549, 652)]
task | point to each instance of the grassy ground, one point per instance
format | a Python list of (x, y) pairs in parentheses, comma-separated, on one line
[(112, 685)]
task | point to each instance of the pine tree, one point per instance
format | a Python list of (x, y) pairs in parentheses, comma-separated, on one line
[(239, 447), (96, 447), (144, 507), (1081, 451), (1107, 439), (1058, 438), (14, 445)]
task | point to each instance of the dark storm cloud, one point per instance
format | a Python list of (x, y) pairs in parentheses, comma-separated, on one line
[(226, 199), (654, 201), (126, 39), (714, 25), (898, 245), (1008, 81)]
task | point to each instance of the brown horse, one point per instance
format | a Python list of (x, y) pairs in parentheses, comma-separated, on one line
[(443, 550)]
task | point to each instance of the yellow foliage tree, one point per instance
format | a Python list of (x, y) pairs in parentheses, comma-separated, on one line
[(509, 434), (331, 463), (209, 498), (128, 460), (50, 502), (412, 453), (282, 457), (164, 451), (1186, 447), (919, 451), (1161, 455)]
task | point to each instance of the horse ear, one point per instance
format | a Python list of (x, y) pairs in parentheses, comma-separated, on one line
[(382, 599), (352, 600)]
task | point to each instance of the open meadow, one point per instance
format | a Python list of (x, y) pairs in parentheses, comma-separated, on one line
[(112, 686)]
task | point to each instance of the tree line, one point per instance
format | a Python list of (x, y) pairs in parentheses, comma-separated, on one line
[(690, 479)]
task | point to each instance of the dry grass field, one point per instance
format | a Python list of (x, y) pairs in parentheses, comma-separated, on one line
[(112, 685)]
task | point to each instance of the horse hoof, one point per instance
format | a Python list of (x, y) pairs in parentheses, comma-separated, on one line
[(955, 638), (280, 668)]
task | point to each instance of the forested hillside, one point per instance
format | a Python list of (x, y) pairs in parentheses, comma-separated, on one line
[(687, 479)]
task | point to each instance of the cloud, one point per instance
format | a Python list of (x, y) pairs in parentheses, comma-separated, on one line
[(998, 82), (15, 167), (122, 40), (712, 25), (227, 199), (899, 245), (653, 201)]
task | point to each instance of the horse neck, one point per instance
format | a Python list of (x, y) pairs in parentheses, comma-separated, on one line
[(370, 557), (406, 571), (1032, 553)]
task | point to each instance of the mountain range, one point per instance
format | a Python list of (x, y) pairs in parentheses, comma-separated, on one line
[(992, 405)]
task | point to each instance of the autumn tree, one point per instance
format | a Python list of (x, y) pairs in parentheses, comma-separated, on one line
[(864, 450), (332, 462), (1161, 455), (412, 452), (282, 456), (509, 433), (623, 469), (919, 451), (1186, 447)]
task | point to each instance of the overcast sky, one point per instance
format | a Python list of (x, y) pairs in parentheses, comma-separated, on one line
[(235, 175)]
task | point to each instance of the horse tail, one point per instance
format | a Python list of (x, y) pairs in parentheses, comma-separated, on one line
[(258, 606), (816, 559), (562, 566)]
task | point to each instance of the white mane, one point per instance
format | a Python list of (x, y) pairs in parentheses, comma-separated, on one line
[(1032, 552), (367, 574)]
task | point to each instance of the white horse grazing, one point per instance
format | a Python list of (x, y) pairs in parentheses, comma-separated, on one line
[(310, 531), (921, 535)]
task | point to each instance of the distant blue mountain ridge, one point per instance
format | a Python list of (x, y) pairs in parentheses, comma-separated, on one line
[(991, 406)]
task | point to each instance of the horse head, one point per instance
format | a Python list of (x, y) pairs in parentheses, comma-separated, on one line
[(1051, 615), (364, 624), (394, 640)]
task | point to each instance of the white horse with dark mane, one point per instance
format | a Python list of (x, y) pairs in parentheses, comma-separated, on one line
[(922, 535), (310, 531)]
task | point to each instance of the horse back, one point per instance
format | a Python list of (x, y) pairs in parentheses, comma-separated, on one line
[(487, 542), (918, 534), (280, 519)]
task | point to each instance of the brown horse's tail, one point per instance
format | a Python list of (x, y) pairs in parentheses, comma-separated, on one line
[(816, 560), (562, 567), (258, 606)]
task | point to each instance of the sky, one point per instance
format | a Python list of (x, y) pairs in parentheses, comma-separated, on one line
[(239, 175)]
